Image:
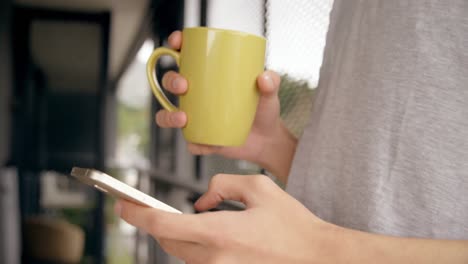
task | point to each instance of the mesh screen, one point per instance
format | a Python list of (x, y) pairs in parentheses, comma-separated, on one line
[(296, 32), (296, 37)]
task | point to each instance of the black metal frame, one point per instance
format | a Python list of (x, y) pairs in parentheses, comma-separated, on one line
[(27, 164)]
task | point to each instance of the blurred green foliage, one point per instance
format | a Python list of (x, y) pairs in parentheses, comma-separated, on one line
[(77, 216), (134, 121), (296, 103)]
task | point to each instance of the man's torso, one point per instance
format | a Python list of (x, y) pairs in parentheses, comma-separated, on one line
[(386, 149)]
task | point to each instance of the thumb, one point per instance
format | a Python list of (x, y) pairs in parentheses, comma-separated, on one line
[(268, 84), (268, 109), (161, 224), (244, 189)]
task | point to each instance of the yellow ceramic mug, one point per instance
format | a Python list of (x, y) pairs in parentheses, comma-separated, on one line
[(221, 67)]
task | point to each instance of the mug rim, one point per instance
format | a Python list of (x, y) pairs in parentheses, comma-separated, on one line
[(237, 32)]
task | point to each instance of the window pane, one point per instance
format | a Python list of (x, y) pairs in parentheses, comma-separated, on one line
[(242, 15), (296, 32)]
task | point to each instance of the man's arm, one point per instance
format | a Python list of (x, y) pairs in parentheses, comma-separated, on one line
[(275, 228), (360, 247)]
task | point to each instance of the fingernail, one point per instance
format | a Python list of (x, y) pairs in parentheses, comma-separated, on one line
[(118, 208), (268, 79), (175, 83)]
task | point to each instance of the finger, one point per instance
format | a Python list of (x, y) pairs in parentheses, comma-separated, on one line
[(174, 83), (199, 149), (268, 84), (166, 119), (245, 189), (161, 224), (189, 252), (175, 40)]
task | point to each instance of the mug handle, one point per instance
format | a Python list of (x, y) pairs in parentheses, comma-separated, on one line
[(150, 72)]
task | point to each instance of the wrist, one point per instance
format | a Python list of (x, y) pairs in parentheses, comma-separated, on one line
[(325, 243), (278, 152)]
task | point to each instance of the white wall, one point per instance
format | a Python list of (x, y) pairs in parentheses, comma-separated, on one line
[(127, 17)]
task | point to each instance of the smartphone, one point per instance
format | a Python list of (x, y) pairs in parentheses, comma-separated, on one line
[(118, 189)]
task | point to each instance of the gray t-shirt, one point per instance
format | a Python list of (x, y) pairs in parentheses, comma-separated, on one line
[(386, 149)]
